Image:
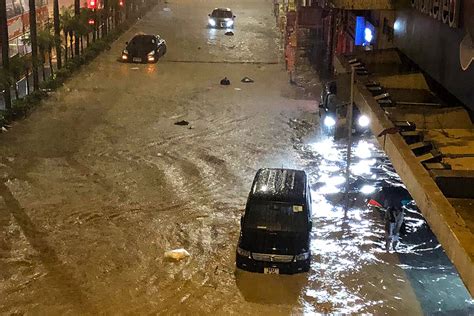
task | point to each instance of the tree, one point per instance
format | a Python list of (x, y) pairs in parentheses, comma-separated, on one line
[(57, 32), (34, 43), (84, 28), (17, 69), (67, 24), (46, 41), (5, 54), (77, 13), (106, 15)]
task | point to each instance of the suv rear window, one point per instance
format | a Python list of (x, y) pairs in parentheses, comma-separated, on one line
[(275, 216)]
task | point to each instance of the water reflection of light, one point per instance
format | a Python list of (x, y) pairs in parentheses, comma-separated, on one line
[(362, 167), (367, 189), (327, 168), (326, 149), (323, 208), (331, 184), (363, 149), (150, 68), (212, 33)]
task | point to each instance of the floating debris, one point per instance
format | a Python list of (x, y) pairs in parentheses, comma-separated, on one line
[(225, 81), (177, 254), (183, 122)]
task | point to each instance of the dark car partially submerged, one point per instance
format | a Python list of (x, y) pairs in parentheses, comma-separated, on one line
[(144, 48), (221, 18), (276, 226), (332, 113)]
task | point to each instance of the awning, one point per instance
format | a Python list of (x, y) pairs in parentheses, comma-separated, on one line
[(360, 4)]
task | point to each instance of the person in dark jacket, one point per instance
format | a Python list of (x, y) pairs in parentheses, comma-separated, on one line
[(394, 217), (392, 199)]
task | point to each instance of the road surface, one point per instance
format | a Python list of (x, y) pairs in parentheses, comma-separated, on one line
[(99, 182)]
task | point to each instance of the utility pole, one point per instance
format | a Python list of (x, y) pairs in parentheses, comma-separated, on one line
[(349, 115), (5, 50), (34, 43)]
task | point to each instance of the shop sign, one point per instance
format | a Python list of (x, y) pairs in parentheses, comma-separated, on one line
[(446, 11)]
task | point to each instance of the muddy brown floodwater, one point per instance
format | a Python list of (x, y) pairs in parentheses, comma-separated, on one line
[(99, 182)]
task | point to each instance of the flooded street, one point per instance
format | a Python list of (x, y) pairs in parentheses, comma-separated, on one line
[(99, 183)]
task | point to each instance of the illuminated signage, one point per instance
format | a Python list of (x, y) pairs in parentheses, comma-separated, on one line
[(364, 32), (446, 11)]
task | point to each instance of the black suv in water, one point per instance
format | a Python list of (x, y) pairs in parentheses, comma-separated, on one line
[(275, 229)]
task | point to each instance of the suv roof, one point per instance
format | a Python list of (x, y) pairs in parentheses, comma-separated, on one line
[(279, 185)]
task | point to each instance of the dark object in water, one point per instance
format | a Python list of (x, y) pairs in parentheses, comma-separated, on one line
[(183, 122), (225, 81), (229, 33)]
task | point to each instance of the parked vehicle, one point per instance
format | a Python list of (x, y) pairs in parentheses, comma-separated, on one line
[(332, 113), (144, 48), (275, 229), (221, 18)]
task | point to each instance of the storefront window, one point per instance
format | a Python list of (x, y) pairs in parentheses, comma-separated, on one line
[(16, 7), (19, 45)]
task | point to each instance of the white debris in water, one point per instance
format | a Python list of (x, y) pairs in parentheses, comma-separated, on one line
[(177, 254)]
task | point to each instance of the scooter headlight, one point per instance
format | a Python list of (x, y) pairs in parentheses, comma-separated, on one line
[(363, 121), (212, 22), (329, 121)]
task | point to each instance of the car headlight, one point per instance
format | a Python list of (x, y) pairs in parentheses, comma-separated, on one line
[(329, 121), (243, 252), (212, 22), (363, 121), (302, 256), (229, 23)]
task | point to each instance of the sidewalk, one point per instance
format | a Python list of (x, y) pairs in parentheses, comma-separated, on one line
[(22, 86), (435, 160)]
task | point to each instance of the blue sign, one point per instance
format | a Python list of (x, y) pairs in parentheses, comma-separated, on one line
[(364, 32)]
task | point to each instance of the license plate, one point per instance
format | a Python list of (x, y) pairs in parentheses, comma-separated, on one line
[(271, 270), (136, 59)]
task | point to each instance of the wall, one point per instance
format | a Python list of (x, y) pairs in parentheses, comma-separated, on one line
[(435, 47)]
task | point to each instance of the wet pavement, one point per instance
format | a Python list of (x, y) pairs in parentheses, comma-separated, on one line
[(99, 183)]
